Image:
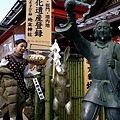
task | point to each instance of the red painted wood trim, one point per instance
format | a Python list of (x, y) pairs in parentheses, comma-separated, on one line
[(60, 5), (6, 34), (62, 14)]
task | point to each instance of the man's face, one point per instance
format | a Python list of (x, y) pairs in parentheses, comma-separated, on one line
[(103, 31)]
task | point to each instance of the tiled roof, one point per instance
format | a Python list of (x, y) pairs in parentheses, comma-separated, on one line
[(111, 15)]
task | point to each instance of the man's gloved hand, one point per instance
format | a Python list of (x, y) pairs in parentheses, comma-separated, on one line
[(69, 8), (69, 5)]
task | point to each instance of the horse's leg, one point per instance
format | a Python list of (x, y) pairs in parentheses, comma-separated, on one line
[(68, 108), (55, 108)]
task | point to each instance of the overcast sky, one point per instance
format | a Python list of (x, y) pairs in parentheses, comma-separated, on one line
[(5, 6)]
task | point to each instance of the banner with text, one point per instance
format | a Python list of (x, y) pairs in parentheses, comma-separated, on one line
[(38, 23)]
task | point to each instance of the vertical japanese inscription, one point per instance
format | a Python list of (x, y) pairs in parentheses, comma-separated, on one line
[(38, 22), (30, 19), (47, 15), (39, 19)]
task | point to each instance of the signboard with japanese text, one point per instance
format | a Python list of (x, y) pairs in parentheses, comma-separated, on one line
[(38, 24)]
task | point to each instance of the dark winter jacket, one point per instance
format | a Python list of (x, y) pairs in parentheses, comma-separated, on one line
[(12, 98)]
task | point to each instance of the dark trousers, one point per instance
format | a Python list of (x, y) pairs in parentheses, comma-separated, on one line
[(7, 117)]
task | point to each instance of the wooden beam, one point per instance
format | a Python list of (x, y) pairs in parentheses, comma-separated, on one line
[(6, 34), (59, 13)]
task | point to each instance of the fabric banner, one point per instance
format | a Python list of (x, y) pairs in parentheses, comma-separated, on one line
[(38, 88)]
